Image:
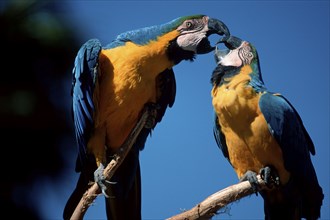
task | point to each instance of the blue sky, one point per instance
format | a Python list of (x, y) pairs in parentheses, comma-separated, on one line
[(181, 164)]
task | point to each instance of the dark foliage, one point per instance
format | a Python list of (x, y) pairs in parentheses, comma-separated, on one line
[(35, 119)]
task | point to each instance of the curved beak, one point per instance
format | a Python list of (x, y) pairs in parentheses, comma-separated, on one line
[(215, 26), (218, 27), (232, 42)]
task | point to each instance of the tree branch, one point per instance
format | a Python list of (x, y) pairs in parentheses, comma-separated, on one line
[(204, 210), (209, 207), (91, 194)]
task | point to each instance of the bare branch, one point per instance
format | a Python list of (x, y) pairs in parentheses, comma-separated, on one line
[(209, 207), (204, 210), (91, 194)]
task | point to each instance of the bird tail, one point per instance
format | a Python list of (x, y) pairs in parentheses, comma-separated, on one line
[(128, 207), (293, 201), (74, 199), (124, 200), (312, 197)]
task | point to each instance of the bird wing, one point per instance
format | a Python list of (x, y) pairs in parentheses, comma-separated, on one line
[(84, 75), (287, 128), (220, 138), (166, 91), (166, 87)]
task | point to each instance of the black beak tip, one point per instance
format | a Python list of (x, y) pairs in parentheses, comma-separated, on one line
[(224, 39), (233, 42), (218, 27)]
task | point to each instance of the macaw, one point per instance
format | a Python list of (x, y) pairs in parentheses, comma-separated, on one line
[(111, 86), (260, 132)]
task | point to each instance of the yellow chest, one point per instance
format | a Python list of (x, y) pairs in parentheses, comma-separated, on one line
[(131, 71), (250, 144), (235, 101), (126, 82)]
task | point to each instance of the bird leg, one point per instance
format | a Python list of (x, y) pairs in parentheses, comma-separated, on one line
[(147, 120), (253, 180), (100, 179), (270, 175)]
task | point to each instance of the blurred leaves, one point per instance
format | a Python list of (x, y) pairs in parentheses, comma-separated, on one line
[(37, 56)]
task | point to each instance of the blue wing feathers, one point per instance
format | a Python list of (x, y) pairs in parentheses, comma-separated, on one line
[(83, 82), (220, 138), (308, 139), (287, 128)]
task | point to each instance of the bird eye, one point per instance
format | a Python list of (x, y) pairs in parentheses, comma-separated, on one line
[(189, 24)]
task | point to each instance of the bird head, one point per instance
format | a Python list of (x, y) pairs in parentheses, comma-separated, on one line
[(231, 60), (237, 54), (192, 36), (195, 30)]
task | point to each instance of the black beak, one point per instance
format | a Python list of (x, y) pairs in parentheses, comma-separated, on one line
[(218, 27), (232, 42), (215, 27)]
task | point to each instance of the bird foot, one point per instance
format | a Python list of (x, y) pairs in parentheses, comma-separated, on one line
[(152, 109), (270, 176), (100, 179), (253, 180)]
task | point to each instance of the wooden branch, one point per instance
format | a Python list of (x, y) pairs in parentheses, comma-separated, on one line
[(209, 207), (91, 194)]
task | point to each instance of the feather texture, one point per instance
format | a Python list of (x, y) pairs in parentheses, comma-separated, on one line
[(255, 128)]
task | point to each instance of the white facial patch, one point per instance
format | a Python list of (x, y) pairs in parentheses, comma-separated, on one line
[(192, 32), (190, 41), (239, 56), (231, 59)]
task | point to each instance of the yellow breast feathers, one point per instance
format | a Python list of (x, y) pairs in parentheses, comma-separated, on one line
[(250, 144), (125, 84)]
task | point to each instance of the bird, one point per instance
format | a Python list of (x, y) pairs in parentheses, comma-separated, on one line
[(112, 85), (260, 132)]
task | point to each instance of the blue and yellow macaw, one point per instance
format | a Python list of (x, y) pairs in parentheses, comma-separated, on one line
[(112, 85), (261, 132)]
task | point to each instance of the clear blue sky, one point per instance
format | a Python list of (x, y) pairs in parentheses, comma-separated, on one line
[(181, 164)]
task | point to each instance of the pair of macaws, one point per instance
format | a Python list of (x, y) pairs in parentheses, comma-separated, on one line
[(112, 85)]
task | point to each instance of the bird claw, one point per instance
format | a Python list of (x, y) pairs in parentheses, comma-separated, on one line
[(101, 181), (253, 180), (270, 176)]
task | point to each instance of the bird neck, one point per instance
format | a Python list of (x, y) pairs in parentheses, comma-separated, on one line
[(236, 78), (151, 58), (256, 78), (231, 77)]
